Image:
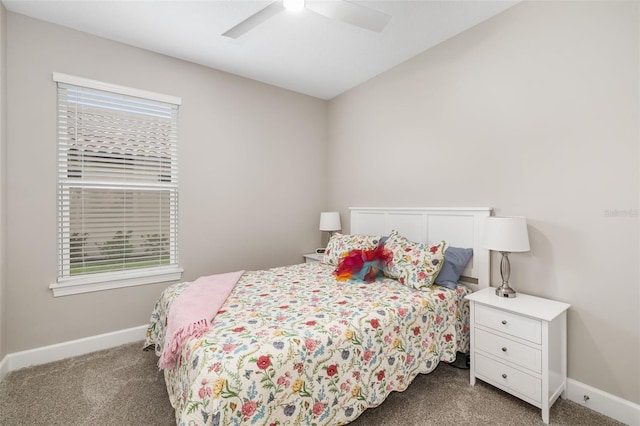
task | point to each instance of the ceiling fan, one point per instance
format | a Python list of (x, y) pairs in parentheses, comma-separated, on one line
[(340, 10)]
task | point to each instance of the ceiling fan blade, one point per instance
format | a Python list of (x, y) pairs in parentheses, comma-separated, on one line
[(254, 20), (351, 13)]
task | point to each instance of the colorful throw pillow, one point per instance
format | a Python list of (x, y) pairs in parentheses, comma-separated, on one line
[(340, 244), (414, 264), (455, 260), (362, 265)]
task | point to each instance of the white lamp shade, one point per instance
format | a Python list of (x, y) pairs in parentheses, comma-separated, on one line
[(330, 221), (508, 234)]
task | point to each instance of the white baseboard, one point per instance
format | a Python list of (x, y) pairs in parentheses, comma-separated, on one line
[(64, 350), (4, 367), (617, 408)]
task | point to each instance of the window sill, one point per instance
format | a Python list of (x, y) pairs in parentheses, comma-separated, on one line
[(112, 280)]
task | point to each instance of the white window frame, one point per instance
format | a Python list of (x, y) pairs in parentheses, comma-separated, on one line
[(66, 284)]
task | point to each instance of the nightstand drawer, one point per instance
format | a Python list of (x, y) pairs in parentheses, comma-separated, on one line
[(509, 323), (508, 378), (509, 350)]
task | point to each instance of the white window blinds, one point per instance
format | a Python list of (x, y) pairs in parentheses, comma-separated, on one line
[(117, 182)]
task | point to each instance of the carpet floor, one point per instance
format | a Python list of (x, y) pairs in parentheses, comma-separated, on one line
[(122, 386)]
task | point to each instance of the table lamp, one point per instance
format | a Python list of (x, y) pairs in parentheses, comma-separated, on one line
[(506, 235), (330, 221)]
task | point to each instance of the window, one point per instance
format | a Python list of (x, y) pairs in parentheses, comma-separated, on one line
[(117, 186)]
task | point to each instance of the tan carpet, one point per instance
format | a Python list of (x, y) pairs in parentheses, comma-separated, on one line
[(122, 386)]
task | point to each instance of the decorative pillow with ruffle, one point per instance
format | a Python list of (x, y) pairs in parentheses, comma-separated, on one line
[(362, 265)]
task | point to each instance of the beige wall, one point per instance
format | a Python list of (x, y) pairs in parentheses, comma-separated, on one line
[(533, 113), (3, 144), (252, 179)]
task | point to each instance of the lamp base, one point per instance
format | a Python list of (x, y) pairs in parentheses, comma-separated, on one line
[(505, 271), (505, 291)]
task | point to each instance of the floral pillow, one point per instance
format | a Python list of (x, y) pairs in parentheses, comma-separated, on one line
[(340, 244), (414, 264)]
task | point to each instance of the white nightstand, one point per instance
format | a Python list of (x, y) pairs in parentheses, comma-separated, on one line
[(520, 346), (313, 257)]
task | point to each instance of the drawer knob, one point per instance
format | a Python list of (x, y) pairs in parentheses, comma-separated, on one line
[(504, 322), (504, 375), (504, 349)]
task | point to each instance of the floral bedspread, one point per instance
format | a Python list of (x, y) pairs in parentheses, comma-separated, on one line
[(292, 346)]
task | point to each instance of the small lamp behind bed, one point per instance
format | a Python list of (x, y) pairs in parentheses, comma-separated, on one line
[(506, 235), (329, 222)]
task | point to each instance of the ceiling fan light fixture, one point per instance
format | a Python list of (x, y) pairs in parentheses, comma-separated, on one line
[(293, 5)]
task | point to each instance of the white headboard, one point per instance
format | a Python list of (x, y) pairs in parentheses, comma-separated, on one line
[(459, 226)]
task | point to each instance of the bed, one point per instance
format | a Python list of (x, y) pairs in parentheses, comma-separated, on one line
[(292, 345)]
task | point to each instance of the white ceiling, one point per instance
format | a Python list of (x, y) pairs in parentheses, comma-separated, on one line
[(304, 52)]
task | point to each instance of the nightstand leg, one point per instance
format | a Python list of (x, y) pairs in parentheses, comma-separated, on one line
[(472, 345), (545, 405), (472, 370)]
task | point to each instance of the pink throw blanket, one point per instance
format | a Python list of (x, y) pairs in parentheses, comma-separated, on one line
[(193, 310)]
